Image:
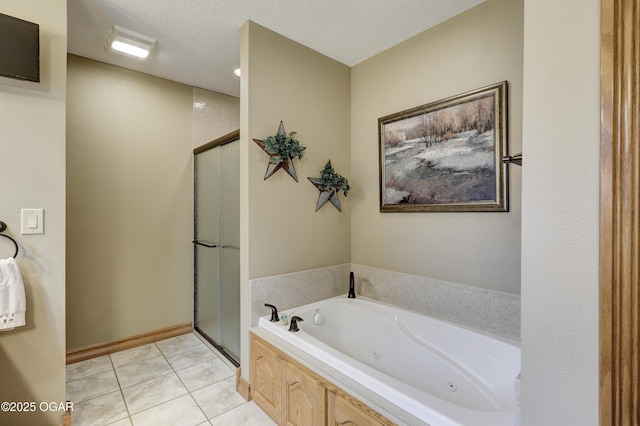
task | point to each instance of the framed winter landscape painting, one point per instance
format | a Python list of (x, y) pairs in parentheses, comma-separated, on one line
[(446, 156)]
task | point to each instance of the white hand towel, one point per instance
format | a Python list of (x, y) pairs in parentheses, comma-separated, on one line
[(12, 300)]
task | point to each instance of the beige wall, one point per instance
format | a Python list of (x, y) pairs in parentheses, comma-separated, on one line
[(559, 226), (280, 230), (214, 115), (480, 47), (129, 203), (560, 213), (32, 175), (310, 94)]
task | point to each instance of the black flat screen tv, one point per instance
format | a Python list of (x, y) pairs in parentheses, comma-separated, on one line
[(19, 49)]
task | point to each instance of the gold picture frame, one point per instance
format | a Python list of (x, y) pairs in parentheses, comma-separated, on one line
[(446, 156)]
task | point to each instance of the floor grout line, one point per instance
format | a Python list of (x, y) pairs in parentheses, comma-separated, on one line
[(184, 384), (126, 406)]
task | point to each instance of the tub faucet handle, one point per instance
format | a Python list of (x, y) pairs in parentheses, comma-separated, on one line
[(294, 323), (274, 313)]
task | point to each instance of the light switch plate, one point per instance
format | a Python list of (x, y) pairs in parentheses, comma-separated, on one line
[(32, 221)]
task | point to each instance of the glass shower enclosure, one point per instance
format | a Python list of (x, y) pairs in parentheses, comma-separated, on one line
[(217, 244)]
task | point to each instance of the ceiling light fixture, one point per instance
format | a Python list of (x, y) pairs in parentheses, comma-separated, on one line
[(130, 43), (237, 72)]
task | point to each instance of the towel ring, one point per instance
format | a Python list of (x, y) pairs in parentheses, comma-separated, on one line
[(3, 226)]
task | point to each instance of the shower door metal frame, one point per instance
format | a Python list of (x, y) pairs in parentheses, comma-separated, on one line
[(228, 138)]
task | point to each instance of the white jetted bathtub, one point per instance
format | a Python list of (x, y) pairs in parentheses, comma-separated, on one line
[(438, 372)]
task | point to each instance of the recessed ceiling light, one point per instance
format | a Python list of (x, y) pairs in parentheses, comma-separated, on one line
[(130, 43), (237, 72)]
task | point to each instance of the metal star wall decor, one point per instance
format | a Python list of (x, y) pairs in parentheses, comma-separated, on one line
[(330, 184), (282, 149)]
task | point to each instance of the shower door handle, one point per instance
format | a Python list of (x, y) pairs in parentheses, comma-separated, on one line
[(205, 244)]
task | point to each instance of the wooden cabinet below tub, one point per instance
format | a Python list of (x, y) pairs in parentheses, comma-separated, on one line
[(293, 395), (266, 377), (343, 409), (303, 399)]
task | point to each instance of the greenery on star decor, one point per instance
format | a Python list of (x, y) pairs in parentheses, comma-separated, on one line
[(330, 184), (330, 179), (282, 147)]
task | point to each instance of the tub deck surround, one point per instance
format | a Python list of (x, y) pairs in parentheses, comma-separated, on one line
[(413, 369), (297, 288), (488, 311)]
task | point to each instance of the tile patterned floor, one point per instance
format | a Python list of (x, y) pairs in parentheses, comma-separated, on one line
[(175, 382)]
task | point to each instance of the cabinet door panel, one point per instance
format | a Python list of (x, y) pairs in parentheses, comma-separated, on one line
[(303, 398), (344, 410), (266, 379)]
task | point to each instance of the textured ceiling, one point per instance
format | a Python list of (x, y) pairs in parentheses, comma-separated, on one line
[(199, 40)]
